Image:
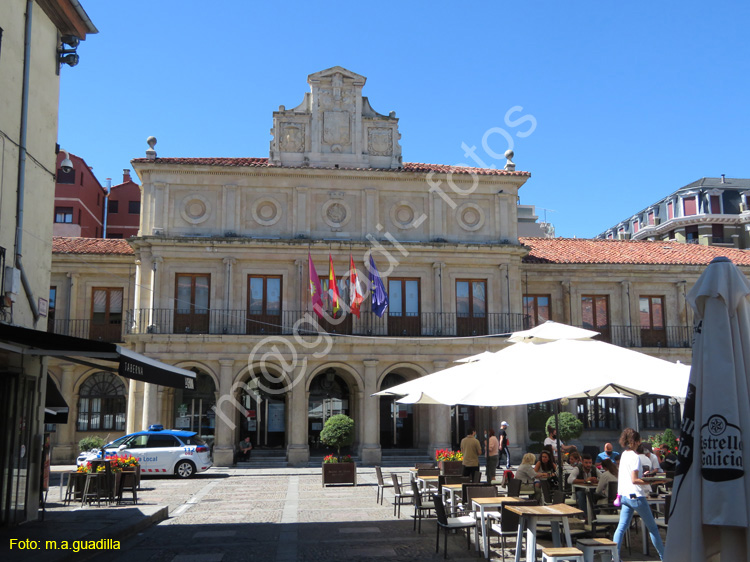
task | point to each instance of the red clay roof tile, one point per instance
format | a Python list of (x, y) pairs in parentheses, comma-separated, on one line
[(591, 251), (111, 246)]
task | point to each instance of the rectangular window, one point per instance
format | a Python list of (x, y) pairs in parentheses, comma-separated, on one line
[(599, 413), (717, 233), (51, 309), (134, 207), (715, 205), (341, 321), (655, 412), (471, 307), (689, 207), (192, 293), (403, 307), (64, 215), (536, 308), (595, 314), (66, 177), (106, 314), (651, 316), (264, 304), (635, 226), (112, 206), (651, 218), (670, 210)]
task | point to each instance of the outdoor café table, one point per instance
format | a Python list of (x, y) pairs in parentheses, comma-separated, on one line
[(481, 504), (530, 514), (425, 482), (449, 491)]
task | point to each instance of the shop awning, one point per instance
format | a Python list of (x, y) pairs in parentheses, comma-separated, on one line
[(132, 365), (55, 407)]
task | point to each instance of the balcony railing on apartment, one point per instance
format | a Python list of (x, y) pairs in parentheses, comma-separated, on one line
[(644, 336), (240, 322), (110, 331)]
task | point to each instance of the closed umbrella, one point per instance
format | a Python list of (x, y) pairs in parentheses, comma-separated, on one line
[(711, 494)]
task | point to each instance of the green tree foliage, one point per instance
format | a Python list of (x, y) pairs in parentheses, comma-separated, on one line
[(570, 426), (90, 442), (338, 432)]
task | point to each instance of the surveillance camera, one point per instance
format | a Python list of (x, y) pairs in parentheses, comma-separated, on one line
[(66, 165)]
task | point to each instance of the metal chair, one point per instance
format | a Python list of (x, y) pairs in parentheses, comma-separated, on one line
[(381, 485), (449, 524), (419, 507), (507, 523), (400, 495)]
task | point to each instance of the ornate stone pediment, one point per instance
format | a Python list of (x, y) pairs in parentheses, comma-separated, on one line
[(335, 126)]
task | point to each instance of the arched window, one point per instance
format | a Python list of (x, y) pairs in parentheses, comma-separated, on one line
[(101, 403)]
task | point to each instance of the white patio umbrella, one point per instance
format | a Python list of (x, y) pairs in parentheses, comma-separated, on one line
[(709, 513), (527, 373)]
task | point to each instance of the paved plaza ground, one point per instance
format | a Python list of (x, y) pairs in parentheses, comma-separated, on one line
[(224, 515)]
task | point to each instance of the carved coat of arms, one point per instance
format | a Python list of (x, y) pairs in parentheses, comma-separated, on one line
[(336, 127), (380, 141)]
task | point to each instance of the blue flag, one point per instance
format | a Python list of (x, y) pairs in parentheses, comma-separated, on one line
[(379, 296)]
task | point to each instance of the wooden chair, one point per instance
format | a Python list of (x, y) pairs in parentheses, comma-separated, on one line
[(400, 495), (419, 508), (507, 525), (449, 524), (381, 485)]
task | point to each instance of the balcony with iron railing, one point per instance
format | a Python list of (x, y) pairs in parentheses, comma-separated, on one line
[(645, 336), (110, 331), (240, 322)]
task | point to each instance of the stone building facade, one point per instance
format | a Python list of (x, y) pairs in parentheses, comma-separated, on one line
[(218, 279)]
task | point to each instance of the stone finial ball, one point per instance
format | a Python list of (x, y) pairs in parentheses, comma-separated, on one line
[(509, 154), (151, 141)]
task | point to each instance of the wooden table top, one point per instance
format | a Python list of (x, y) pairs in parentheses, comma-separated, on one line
[(656, 479), (452, 486), (496, 501), (556, 510)]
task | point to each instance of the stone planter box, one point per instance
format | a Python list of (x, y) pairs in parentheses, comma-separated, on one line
[(340, 473), (451, 468)]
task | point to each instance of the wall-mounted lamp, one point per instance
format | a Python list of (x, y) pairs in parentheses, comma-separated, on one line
[(68, 56)]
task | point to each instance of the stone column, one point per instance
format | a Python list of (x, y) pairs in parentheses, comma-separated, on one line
[(627, 310), (370, 451), (156, 267), (225, 424), (66, 448), (130, 423), (440, 420), (73, 301), (682, 306), (298, 450), (299, 290)]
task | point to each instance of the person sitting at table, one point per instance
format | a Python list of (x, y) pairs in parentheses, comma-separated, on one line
[(608, 453), (645, 459), (608, 474), (546, 468), (551, 440), (654, 460), (528, 476), (244, 447), (586, 473), (668, 458)]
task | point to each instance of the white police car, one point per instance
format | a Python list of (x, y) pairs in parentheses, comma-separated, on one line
[(159, 451)]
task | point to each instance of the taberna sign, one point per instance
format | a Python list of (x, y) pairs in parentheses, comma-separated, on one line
[(139, 367)]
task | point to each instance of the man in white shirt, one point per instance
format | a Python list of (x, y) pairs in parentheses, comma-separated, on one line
[(552, 440)]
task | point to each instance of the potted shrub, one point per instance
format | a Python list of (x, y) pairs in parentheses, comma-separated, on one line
[(450, 462), (338, 432)]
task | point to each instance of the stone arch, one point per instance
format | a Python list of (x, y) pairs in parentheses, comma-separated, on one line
[(190, 365), (401, 426), (83, 376), (352, 375), (405, 365)]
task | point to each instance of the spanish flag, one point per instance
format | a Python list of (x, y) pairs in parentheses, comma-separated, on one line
[(333, 289)]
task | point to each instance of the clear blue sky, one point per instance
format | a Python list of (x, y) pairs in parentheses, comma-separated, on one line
[(631, 100)]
